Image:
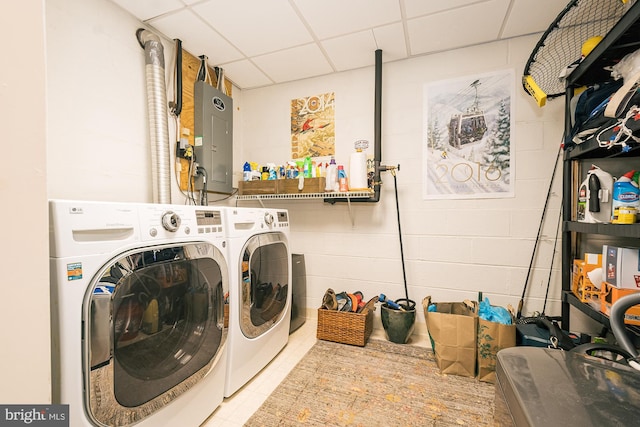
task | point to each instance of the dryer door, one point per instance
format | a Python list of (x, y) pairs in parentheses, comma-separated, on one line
[(153, 328), (265, 272)]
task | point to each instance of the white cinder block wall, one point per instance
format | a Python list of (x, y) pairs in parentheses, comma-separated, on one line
[(97, 140), (453, 249)]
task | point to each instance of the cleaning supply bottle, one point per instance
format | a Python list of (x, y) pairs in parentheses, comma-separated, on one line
[(597, 205), (343, 183), (332, 176), (306, 167), (273, 174), (246, 172), (626, 199)]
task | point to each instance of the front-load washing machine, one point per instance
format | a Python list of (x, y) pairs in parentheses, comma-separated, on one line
[(137, 295), (259, 291)]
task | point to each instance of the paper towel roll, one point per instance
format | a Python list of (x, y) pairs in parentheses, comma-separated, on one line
[(358, 171)]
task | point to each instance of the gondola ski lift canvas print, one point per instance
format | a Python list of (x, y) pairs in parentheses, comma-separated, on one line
[(468, 148)]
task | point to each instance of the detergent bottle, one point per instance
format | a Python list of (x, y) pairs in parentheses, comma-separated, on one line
[(626, 199), (594, 196), (343, 183), (332, 176)]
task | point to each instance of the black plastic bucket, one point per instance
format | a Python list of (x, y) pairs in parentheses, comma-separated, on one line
[(398, 325)]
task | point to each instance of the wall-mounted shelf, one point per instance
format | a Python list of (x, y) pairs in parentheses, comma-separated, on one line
[(348, 195), (327, 197)]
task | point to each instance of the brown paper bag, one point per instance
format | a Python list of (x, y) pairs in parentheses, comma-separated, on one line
[(492, 337), (453, 332)]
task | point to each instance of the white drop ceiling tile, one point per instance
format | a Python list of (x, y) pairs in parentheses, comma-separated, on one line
[(415, 8), (351, 51), (258, 28), (390, 39), (331, 18), (147, 9), (197, 37), (293, 64), (456, 28), (245, 75), (527, 17)]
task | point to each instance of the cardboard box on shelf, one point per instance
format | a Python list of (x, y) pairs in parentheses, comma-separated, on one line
[(621, 266), (610, 295)]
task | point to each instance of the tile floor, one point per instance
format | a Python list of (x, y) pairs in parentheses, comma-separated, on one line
[(237, 409)]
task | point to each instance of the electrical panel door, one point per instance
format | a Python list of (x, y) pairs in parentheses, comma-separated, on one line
[(213, 123)]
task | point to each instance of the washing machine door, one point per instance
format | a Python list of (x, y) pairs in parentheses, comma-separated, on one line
[(265, 272), (153, 328)]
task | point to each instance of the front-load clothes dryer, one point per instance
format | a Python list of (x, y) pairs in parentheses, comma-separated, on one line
[(259, 291), (137, 295)]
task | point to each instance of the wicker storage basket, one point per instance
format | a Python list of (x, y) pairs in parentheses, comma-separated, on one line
[(345, 327)]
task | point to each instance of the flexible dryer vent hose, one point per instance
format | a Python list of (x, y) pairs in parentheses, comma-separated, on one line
[(158, 120)]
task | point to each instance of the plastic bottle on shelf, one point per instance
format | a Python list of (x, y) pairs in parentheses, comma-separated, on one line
[(273, 174), (307, 167), (343, 182), (594, 197), (626, 199), (332, 176), (246, 172)]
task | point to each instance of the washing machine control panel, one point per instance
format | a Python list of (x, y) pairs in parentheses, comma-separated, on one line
[(209, 222)]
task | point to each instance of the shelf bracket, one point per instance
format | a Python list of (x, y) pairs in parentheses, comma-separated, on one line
[(353, 221)]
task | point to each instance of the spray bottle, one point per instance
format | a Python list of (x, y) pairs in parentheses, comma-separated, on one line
[(332, 176)]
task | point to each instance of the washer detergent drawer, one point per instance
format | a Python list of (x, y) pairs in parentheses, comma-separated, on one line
[(542, 387)]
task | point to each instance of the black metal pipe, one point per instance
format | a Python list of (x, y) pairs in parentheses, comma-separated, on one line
[(377, 136), (377, 125), (178, 106)]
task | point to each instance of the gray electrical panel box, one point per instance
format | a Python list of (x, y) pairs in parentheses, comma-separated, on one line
[(213, 123)]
